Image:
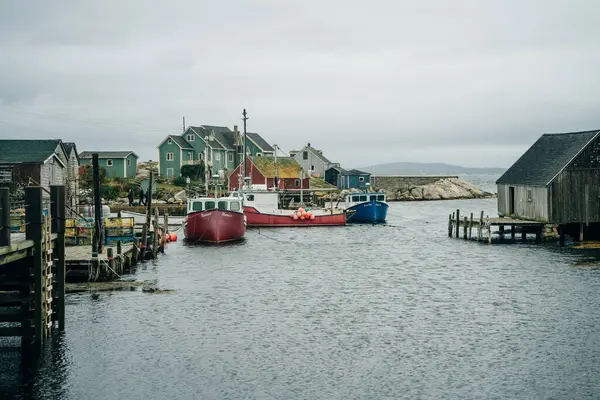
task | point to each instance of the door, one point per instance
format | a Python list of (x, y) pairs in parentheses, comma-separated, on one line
[(169, 172), (511, 200)]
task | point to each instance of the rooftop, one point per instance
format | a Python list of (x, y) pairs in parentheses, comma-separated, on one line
[(286, 167), (27, 151), (546, 158), (107, 154)]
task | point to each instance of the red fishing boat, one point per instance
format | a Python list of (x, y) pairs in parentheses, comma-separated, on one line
[(214, 220), (261, 209)]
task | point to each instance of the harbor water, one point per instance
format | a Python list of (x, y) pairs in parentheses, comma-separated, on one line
[(357, 312)]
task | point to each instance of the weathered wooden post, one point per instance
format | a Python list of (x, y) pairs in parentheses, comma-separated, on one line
[(480, 228), (166, 228), (110, 256), (449, 225), (501, 232), (5, 217), (155, 235), (489, 229), (512, 232), (561, 235), (581, 232), (59, 213), (465, 223), (457, 224), (471, 226), (34, 221), (538, 235), (120, 258)]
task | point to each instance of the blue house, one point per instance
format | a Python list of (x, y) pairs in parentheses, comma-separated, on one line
[(344, 179)]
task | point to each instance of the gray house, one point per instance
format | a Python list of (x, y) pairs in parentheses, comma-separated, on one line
[(312, 161), (556, 181), (42, 162)]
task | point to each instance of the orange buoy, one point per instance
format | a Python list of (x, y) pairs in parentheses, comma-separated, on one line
[(168, 237), (173, 237)]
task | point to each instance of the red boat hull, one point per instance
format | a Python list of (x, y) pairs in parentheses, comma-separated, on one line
[(255, 218), (214, 226)]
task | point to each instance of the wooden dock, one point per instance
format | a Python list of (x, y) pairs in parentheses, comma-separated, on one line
[(32, 269), (113, 262), (484, 227)]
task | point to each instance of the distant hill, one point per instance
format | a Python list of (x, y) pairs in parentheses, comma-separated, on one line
[(412, 168)]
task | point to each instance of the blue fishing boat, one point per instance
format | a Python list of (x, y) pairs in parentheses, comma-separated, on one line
[(368, 207)]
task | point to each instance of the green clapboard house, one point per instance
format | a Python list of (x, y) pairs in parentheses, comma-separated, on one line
[(216, 144), (118, 164)]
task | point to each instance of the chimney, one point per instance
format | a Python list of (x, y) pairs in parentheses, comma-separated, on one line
[(308, 144)]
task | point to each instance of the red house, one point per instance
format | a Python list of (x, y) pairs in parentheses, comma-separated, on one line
[(261, 171)]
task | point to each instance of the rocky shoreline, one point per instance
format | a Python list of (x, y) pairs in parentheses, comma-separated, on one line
[(441, 189)]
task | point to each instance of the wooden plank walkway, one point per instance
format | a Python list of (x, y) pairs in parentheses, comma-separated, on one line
[(84, 253), (483, 226)]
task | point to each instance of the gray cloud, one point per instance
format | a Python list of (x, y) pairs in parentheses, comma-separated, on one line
[(467, 82)]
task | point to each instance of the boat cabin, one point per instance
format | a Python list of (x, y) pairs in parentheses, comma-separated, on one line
[(211, 203), (364, 197)]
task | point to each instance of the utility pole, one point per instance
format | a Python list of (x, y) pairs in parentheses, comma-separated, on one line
[(245, 144), (184, 123), (97, 238), (206, 165)]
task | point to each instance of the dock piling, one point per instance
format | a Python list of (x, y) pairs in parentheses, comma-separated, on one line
[(457, 223), (465, 223), (471, 227), (5, 217), (34, 223), (58, 212)]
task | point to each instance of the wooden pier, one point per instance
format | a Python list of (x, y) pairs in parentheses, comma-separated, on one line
[(484, 227), (32, 269)]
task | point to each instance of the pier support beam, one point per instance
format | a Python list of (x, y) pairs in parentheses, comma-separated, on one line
[(512, 232), (471, 226), (58, 212), (5, 217), (501, 232), (581, 232), (465, 223), (35, 221), (523, 235), (561, 235), (457, 224)]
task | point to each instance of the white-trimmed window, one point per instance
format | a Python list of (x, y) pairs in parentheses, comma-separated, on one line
[(170, 141), (190, 156), (361, 178), (170, 157), (230, 157), (200, 156), (258, 154), (217, 156), (190, 137), (129, 162), (109, 163)]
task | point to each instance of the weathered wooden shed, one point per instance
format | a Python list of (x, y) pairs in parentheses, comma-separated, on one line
[(556, 181)]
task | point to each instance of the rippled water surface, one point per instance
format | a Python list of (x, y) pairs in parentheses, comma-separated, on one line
[(356, 312)]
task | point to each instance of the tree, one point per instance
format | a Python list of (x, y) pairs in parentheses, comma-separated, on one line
[(194, 172), (87, 175)]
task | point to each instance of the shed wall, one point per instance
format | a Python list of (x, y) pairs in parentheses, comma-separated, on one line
[(534, 207)]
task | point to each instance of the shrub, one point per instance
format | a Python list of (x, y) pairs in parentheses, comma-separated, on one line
[(194, 172), (179, 181)]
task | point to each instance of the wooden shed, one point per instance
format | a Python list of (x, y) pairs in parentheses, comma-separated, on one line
[(556, 181)]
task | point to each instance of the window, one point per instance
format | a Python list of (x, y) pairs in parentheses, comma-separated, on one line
[(197, 206), (381, 197), (363, 198), (217, 156), (355, 199), (312, 167), (235, 206), (129, 162), (529, 195), (305, 155), (170, 157), (109, 163), (250, 197), (222, 205), (373, 198), (230, 157), (210, 205), (190, 156), (258, 154), (190, 137), (200, 156), (297, 182), (169, 171), (361, 178), (169, 141)]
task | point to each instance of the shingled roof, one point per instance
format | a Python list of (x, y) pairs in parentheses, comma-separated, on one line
[(107, 154), (286, 167), (27, 151), (260, 142), (548, 156)]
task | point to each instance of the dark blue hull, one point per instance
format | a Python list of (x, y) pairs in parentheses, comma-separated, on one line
[(369, 212)]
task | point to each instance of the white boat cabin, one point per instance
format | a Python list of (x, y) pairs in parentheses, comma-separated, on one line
[(262, 200), (211, 203), (353, 199)]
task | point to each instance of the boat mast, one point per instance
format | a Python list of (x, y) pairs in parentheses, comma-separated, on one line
[(276, 181), (245, 137)]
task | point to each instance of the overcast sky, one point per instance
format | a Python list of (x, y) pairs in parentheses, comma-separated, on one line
[(466, 82)]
